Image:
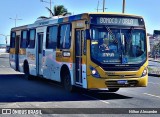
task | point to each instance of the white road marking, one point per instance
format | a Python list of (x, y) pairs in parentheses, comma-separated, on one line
[(151, 95), (96, 98), (154, 83), (2, 66)]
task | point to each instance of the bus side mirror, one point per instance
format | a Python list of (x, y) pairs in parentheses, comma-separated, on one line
[(87, 34)]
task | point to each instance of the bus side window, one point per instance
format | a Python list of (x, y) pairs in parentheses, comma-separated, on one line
[(84, 42), (51, 40), (65, 36), (31, 41), (12, 42), (24, 39)]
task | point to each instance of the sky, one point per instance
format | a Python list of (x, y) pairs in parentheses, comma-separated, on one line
[(30, 10)]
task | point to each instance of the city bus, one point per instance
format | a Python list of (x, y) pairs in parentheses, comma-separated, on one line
[(89, 50)]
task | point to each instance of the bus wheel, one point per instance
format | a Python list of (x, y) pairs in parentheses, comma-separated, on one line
[(26, 71), (113, 89), (67, 82)]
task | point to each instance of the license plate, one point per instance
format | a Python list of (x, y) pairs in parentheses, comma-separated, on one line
[(122, 82)]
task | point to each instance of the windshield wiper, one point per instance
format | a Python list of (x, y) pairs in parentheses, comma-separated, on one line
[(130, 34), (110, 32), (114, 38)]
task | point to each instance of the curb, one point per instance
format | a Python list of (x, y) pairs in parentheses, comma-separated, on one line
[(154, 60), (155, 75)]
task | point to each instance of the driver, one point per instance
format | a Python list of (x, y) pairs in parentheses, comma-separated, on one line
[(103, 44), (139, 51)]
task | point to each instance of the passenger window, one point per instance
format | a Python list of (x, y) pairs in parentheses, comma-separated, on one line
[(51, 40), (31, 43), (65, 36), (13, 37), (24, 39)]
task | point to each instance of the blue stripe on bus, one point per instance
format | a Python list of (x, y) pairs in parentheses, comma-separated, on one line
[(77, 17), (60, 20), (71, 18)]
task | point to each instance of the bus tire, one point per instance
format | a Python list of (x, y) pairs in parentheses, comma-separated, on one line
[(26, 71), (67, 82), (113, 89)]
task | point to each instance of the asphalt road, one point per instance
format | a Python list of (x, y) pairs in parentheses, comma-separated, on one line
[(4, 65), (154, 64), (18, 92)]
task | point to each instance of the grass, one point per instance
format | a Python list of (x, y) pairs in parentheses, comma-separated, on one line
[(153, 71), (150, 69)]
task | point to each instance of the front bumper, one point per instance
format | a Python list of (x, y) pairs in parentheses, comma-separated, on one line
[(113, 83)]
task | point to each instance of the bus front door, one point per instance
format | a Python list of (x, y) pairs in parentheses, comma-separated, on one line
[(40, 53), (17, 52), (78, 56)]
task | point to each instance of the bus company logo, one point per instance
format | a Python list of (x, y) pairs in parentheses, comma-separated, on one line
[(110, 73), (59, 55), (80, 24), (122, 76), (108, 55), (6, 111), (43, 23), (31, 56)]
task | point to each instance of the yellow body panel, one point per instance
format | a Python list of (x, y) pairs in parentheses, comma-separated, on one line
[(101, 83), (12, 51), (80, 24), (113, 76), (22, 51)]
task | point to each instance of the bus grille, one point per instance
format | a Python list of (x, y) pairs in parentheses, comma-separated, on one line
[(122, 76), (131, 83), (120, 68)]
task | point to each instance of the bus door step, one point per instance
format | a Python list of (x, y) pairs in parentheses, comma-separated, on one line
[(78, 84)]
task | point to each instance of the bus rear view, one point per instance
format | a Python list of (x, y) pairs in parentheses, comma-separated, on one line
[(118, 52)]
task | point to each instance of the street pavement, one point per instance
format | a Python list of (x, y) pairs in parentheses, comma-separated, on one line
[(5, 66), (154, 67), (18, 92)]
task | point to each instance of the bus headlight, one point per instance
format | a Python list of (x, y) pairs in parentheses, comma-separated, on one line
[(144, 72), (94, 72)]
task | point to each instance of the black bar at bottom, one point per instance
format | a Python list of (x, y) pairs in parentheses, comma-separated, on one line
[(35, 111)]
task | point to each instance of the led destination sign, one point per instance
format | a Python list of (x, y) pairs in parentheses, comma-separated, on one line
[(118, 21)]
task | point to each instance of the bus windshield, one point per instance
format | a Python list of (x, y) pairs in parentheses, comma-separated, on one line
[(118, 46)]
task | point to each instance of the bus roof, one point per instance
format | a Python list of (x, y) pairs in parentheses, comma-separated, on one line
[(61, 19), (113, 13), (19, 28)]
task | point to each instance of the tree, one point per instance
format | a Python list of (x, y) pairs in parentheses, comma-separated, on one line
[(58, 10)]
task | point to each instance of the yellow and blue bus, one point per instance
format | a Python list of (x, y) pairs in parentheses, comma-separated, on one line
[(89, 50)]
